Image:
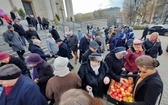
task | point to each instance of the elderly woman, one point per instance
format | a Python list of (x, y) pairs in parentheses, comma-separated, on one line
[(149, 84), (153, 46), (134, 51), (36, 48), (95, 75), (51, 44), (62, 80), (115, 61), (42, 71)]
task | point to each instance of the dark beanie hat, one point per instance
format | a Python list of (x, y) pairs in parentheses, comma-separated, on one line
[(9, 26), (9, 72), (93, 44), (30, 25), (58, 40), (3, 55), (53, 26)]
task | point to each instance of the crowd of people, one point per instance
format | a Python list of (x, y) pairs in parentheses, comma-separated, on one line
[(58, 84)]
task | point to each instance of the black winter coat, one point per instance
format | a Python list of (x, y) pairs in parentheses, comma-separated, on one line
[(89, 77), (36, 49), (85, 56), (73, 42), (148, 90), (19, 29), (19, 63), (84, 44), (30, 33), (45, 72), (153, 49), (115, 65), (55, 34), (64, 51)]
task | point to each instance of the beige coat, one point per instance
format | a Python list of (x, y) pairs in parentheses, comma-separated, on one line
[(58, 85)]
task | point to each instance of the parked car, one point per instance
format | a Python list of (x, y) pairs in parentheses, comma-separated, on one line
[(161, 29)]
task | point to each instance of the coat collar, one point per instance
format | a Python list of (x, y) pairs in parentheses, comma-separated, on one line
[(144, 81)]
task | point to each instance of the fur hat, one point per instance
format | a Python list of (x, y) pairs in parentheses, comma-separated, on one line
[(60, 66), (95, 57), (9, 72), (33, 58), (3, 55)]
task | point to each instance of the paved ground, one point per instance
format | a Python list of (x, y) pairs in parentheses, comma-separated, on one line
[(163, 58)]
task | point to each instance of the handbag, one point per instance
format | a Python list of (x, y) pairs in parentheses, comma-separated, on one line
[(147, 51)]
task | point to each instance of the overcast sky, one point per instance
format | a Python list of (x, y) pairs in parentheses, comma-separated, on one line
[(84, 6)]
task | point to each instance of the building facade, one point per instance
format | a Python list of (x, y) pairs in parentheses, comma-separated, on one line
[(43, 8)]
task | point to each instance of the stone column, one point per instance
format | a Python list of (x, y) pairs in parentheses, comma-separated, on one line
[(69, 9), (49, 9)]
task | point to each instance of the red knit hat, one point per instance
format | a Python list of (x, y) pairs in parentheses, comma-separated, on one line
[(3, 55)]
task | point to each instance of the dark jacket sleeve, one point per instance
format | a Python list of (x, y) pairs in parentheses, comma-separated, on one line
[(112, 74), (82, 74), (37, 36), (160, 49), (48, 71), (41, 54), (21, 65)]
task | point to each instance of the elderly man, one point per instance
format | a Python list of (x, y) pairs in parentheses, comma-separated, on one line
[(31, 32), (13, 39), (93, 47), (20, 30), (73, 44), (18, 89)]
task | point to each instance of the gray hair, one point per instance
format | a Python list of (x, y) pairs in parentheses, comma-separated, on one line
[(36, 41)]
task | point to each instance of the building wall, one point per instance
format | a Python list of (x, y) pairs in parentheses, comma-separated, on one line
[(69, 9), (4, 4), (46, 8), (38, 7)]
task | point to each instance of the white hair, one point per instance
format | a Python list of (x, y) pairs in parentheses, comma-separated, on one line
[(36, 41)]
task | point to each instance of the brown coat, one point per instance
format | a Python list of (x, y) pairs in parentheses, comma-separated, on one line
[(58, 85)]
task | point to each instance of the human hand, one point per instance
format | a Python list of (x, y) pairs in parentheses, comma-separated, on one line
[(123, 69), (88, 88), (123, 81), (36, 80), (106, 80)]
